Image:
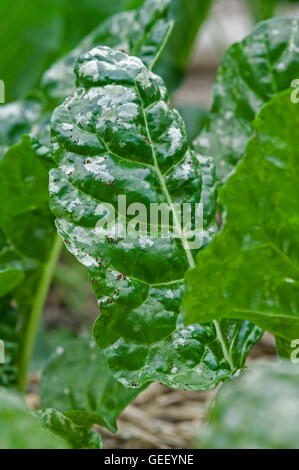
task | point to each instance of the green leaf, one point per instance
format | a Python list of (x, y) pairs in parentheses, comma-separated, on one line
[(20, 429), (77, 382), (9, 280), (28, 237), (194, 117), (141, 32), (251, 73), (37, 32), (251, 269), (75, 436), (262, 9), (188, 17), (118, 134), (258, 411), (18, 118)]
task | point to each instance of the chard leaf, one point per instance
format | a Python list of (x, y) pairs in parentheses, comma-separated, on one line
[(76, 436), (251, 73), (77, 382), (27, 238), (19, 118), (118, 134), (142, 32), (251, 269), (258, 411), (20, 429)]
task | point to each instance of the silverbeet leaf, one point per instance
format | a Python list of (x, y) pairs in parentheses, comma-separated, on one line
[(142, 32), (77, 382), (251, 269), (27, 234), (258, 411), (21, 429), (75, 436), (251, 73), (117, 134), (26, 116)]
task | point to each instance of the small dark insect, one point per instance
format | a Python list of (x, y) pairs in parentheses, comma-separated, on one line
[(112, 240), (134, 384), (110, 183), (146, 139), (93, 281)]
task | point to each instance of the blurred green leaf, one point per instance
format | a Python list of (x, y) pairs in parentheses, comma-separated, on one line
[(77, 382), (28, 236), (188, 16), (20, 429), (76, 436), (194, 118), (258, 411), (140, 32), (34, 33)]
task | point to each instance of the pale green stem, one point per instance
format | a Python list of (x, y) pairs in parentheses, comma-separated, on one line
[(32, 324)]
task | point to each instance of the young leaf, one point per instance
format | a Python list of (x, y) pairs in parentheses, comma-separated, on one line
[(76, 436), (251, 269), (77, 382), (142, 32), (251, 73), (258, 411), (20, 429), (118, 134)]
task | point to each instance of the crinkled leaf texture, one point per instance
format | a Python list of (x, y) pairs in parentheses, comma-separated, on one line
[(118, 134), (20, 429), (142, 32), (251, 73), (76, 437), (77, 382), (27, 234), (260, 410), (251, 269)]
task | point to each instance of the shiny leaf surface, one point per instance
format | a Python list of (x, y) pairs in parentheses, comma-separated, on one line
[(251, 269), (250, 74), (118, 134)]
